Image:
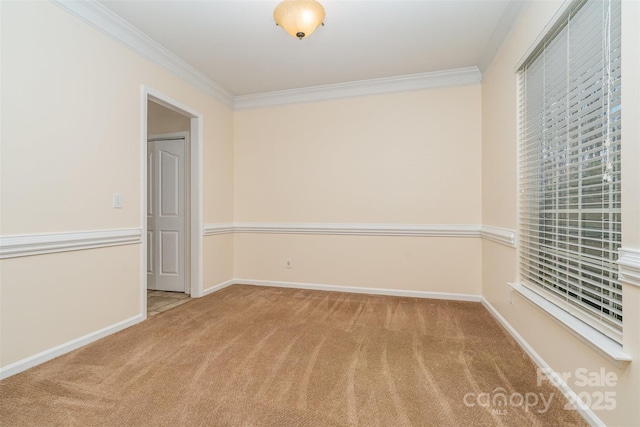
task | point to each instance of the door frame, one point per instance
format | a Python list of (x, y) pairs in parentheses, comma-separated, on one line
[(195, 235)]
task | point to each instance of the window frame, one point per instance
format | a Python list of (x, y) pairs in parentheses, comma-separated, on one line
[(608, 343)]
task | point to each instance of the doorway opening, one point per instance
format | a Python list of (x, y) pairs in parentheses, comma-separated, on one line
[(171, 203)]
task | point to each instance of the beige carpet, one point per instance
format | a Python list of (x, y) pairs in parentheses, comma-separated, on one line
[(254, 356)]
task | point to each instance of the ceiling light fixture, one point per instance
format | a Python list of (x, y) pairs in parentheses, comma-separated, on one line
[(299, 18)]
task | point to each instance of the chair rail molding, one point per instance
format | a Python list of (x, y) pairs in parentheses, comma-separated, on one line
[(504, 236), (629, 265), (13, 246), (218, 228), (412, 230)]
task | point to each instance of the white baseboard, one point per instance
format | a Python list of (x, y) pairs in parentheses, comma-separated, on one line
[(218, 287), (358, 290), (589, 416), (52, 353)]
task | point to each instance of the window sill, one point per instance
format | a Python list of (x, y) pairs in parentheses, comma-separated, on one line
[(593, 338)]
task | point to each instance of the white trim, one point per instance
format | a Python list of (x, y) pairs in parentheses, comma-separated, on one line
[(629, 266), (220, 228), (195, 184), (554, 20), (582, 409), (143, 200), (196, 166), (218, 287), (413, 82), (598, 341), (360, 290), (109, 23), (183, 135), (501, 34), (504, 236), (412, 230), (36, 244), (52, 353), (106, 21)]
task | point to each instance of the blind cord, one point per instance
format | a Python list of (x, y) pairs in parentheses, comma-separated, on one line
[(607, 175)]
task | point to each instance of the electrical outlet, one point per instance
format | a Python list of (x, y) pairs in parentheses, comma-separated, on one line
[(287, 263)]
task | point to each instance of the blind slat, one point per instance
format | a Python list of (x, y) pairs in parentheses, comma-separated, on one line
[(570, 160)]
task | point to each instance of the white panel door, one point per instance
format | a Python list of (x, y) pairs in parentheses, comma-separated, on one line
[(166, 219)]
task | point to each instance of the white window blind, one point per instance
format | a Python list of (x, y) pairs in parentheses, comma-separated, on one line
[(569, 155)]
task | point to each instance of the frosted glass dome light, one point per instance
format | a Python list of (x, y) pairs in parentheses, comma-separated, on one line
[(299, 18)]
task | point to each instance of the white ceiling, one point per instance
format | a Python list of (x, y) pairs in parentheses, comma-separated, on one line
[(236, 43)]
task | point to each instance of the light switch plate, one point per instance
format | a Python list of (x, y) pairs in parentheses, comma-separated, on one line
[(117, 201)]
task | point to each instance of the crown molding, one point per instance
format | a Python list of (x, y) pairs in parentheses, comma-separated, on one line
[(629, 266), (37, 244), (412, 82), (106, 21), (507, 23), (109, 23)]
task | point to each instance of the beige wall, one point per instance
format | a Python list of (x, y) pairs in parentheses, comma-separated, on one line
[(408, 158), (405, 158), (71, 116), (48, 300), (218, 266), (71, 138), (425, 264), (553, 343), (163, 120)]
